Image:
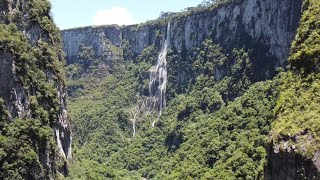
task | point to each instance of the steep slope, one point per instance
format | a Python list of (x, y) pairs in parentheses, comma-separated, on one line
[(220, 122), (35, 139), (295, 132)]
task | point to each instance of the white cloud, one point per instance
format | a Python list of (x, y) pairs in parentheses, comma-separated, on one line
[(115, 15)]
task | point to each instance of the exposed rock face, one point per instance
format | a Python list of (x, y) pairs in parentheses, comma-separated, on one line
[(271, 23), (291, 166), (62, 127), (289, 158), (16, 93), (11, 89), (89, 36)]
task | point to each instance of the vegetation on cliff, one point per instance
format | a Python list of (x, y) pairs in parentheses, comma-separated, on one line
[(297, 111), (27, 145)]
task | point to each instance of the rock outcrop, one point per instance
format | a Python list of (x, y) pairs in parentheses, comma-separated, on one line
[(291, 166), (32, 86)]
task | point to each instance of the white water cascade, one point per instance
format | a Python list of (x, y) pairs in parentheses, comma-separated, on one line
[(134, 120), (158, 80)]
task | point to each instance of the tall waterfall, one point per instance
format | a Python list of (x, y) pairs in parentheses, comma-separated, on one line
[(134, 123), (158, 80)]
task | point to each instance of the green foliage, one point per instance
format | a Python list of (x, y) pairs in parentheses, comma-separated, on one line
[(297, 110), (86, 56), (39, 11), (4, 114), (305, 50), (39, 8), (212, 129), (192, 141), (20, 143), (100, 104), (165, 17), (231, 74), (145, 59), (209, 59)]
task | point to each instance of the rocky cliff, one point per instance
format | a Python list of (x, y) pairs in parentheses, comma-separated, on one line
[(32, 93), (291, 165), (272, 24)]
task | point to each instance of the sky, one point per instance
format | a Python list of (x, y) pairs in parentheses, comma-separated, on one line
[(77, 13)]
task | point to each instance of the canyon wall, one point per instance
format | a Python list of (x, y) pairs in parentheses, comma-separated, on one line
[(32, 90)]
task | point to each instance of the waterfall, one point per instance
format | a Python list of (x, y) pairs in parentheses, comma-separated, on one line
[(158, 80), (134, 123)]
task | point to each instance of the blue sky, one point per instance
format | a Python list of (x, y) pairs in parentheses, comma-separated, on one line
[(76, 13)]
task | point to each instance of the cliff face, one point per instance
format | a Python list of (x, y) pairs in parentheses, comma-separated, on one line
[(291, 165), (32, 90), (271, 24)]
